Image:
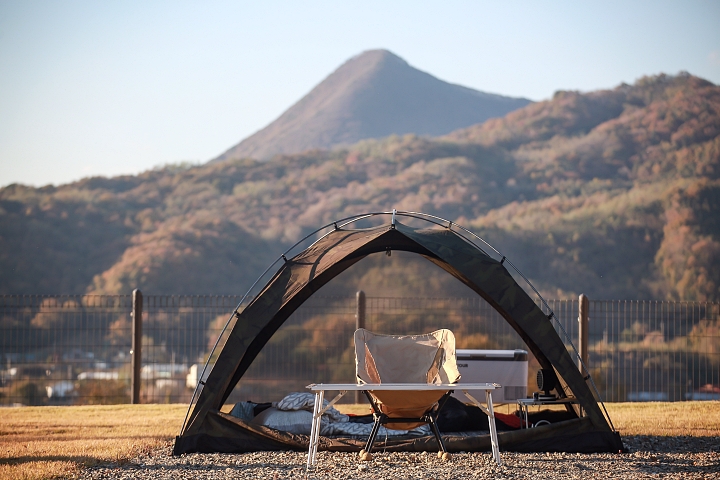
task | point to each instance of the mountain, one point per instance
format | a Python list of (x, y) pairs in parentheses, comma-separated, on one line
[(613, 193), (620, 188), (372, 95)]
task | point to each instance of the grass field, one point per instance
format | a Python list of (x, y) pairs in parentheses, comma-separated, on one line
[(47, 442)]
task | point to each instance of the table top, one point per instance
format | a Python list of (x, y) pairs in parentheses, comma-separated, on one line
[(401, 386), (533, 401)]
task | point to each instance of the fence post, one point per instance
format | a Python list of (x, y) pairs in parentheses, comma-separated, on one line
[(136, 352), (584, 307), (359, 323)]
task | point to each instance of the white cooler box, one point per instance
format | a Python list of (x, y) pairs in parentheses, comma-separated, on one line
[(509, 368)]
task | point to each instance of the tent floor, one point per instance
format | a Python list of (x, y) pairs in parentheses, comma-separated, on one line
[(232, 435)]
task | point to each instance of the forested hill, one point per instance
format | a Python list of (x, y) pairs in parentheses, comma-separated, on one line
[(612, 193)]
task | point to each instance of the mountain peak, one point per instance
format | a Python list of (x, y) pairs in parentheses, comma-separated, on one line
[(374, 94), (374, 58)]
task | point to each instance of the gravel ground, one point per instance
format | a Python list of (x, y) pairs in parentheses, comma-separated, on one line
[(649, 457)]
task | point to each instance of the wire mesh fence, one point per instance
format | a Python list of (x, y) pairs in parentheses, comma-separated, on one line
[(652, 350), (61, 350)]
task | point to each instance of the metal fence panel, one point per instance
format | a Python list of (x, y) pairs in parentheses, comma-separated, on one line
[(60, 350), (64, 349), (655, 350)]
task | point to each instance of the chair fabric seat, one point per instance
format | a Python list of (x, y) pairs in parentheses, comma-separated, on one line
[(428, 358), (405, 404)]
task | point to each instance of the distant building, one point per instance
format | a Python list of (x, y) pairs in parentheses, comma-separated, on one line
[(162, 370), (60, 389), (706, 392), (191, 380), (647, 397), (99, 376)]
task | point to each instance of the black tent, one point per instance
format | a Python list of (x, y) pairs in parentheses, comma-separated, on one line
[(454, 249)]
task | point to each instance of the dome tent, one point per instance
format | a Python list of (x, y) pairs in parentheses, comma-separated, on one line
[(452, 248)]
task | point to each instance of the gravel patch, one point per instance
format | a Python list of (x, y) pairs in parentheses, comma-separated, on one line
[(649, 457)]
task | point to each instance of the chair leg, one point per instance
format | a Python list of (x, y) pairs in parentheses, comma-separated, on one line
[(436, 431), (373, 434), (379, 420)]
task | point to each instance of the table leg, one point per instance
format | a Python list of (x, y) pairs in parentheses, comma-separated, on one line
[(493, 429), (491, 421), (523, 415), (312, 434), (315, 429), (318, 420)]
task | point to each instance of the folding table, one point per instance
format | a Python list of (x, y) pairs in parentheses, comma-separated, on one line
[(343, 388), (525, 403)]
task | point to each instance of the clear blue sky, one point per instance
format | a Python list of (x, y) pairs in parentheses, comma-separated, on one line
[(114, 87)]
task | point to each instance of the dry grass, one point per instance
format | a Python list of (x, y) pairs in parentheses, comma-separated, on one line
[(47, 442), (697, 419)]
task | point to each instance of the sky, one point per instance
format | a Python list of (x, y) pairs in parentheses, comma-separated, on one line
[(118, 87)]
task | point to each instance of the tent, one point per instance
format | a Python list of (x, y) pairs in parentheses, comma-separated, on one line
[(454, 249)]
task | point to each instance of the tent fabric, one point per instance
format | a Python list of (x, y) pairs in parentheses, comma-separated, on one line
[(304, 274)]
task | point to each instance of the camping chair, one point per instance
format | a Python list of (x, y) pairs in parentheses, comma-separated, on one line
[(426, 358)]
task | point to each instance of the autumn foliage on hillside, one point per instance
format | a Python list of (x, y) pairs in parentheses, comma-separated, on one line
[(612, 193)]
